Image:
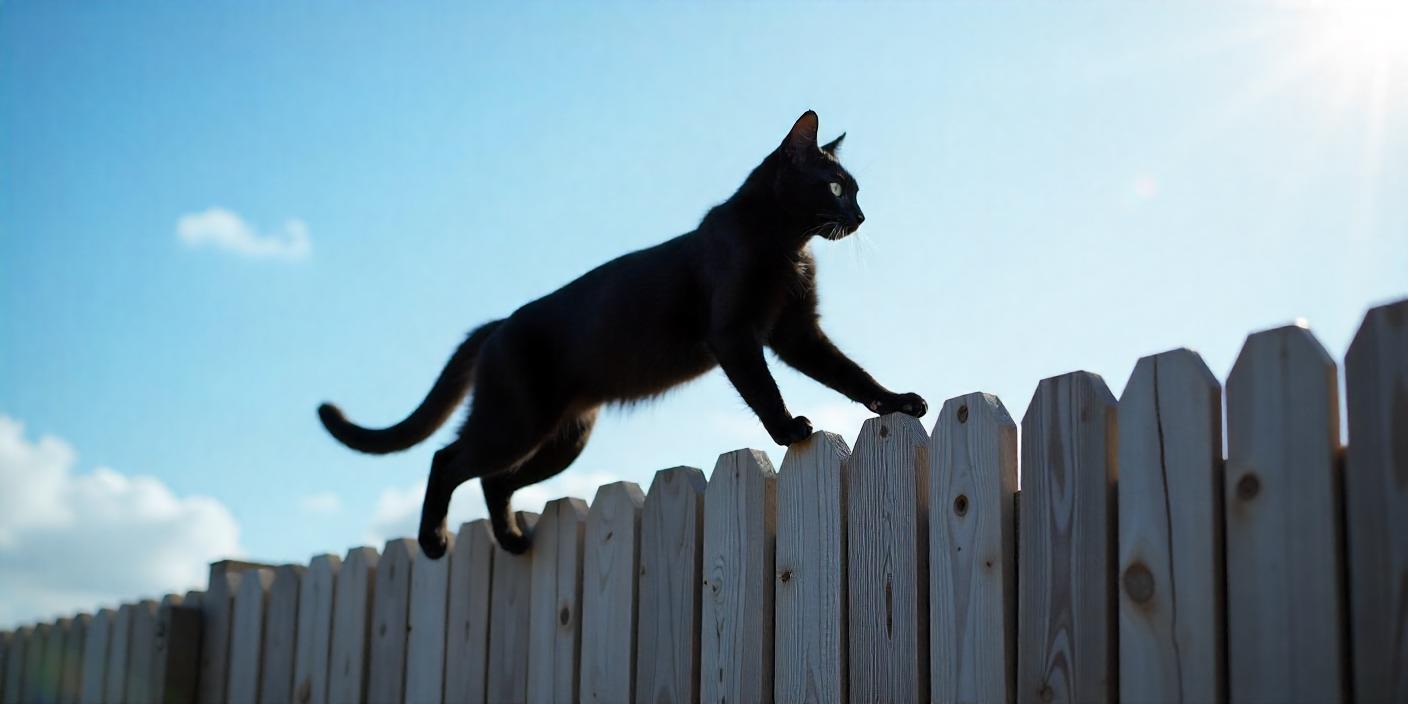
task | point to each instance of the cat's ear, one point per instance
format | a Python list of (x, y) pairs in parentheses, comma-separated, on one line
[(833, 145), (800, 144)]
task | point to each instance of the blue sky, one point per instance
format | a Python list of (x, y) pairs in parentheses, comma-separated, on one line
[(1048, 187)]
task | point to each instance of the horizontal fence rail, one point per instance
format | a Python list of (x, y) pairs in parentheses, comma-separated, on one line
[(1137, 562)]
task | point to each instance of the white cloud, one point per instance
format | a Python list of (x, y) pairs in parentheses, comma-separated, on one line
[(397, 512), (225, 230), (323, 503), (71, 542)]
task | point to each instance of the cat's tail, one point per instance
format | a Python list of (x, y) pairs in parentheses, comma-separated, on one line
[(439, 404)]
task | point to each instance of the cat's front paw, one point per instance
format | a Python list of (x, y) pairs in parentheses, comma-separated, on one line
[(434, 542), (909, 403), (795, 430), (515, 540)]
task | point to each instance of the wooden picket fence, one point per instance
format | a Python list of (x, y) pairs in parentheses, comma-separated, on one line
[(905, 569)]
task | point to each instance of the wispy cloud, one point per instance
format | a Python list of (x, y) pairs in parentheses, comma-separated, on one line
[(323, 503), (71, 542), (227, 231)]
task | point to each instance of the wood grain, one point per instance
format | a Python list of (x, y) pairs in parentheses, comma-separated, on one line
[(1067, 631), (554, 621), (95, 659), (736, 614), (887, 546), (507, 676), (280, 635), (353, 600), (425, 646), (1285, 608), (391, 610), (671, 553), (1171, 601), (467, 643), (611, 560), (972, 557), (1376, 503), (313, 642), (247, 635), (217, 607), (810, 581)]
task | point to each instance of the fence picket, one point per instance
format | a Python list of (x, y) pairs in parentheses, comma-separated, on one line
[(609, 592), (554, 620), (386, 683), (217, 608), (140, 652), (1285, 605), (671, 552), (280, 633), (119, 645), (1066, 619), (95, 658), (5, 640), (810, 584), (247, 635), (313, 641), (507, 676), (425, 645), (71, 676), (52, 662), (1170, 532), (177, 651), (16, 657), (353, 599), (1376, 503), (467, 646), (972, 536)]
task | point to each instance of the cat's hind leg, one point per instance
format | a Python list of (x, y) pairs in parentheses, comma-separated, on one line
[(551, 457)]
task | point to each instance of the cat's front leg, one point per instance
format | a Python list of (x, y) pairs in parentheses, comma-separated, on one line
[(741, 357)]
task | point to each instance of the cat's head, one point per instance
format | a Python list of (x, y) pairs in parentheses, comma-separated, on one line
[(813, 186)]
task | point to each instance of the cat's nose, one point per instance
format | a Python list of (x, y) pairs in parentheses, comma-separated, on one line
[(860, 217)]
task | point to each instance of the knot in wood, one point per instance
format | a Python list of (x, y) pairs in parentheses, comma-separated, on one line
[(1139, 583), (884, 431), (1248, 487), (1046, 694), (786, 576), (564, 616), (963, 413), (960, 505)]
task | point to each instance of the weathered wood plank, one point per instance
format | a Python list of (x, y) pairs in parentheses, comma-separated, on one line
[(119, 650), (671, 554), (16, 657), (554, 621), (313, 642), (71, 677), (280, 635), (736, 613), (506, 680), (177, 655), (887, 546), (1285, 606), (34, 664), (217, 608), (391, 621), (52, 665), (972, 556), (1171, 601), (95, 657), (425, 645), (5, 639), (1065, 600), (247, 635), (810, 589), (609, 591), (141, 652), (351, 626), (467, 641), (1376, 503)]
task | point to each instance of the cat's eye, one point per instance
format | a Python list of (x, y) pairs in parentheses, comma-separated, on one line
[(835, 189)]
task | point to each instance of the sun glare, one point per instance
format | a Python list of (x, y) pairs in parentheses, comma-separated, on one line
[(1365, 36)]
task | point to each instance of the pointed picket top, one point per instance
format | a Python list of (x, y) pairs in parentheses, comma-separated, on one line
[(554, 619), (508, 619), (95, 659), (247, 636), (1066, 632), (71, 678), (352, 605), (280, 634), (810, 581), (672, 543), (467, 636), (391, 620), (425, 641), (972, 534), (609, 593), (1170, 568), (313, 641), (1376, 501), (1285, 618)]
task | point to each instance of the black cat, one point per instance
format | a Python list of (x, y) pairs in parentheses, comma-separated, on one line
[(638, 325)]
